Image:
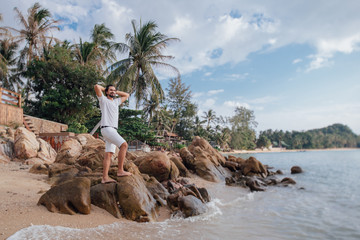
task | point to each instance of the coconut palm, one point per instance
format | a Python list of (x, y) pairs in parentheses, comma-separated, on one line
[(35, 29), (150, 107), (8, 76), (135, 73), (209, 116)]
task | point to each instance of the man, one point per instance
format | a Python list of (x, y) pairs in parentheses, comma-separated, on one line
[(109, 106)]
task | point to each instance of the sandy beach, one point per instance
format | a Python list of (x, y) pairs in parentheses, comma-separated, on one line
[(277, 150), (19, 194)]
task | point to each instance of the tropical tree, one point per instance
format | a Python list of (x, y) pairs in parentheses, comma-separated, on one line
[(150, 107), (135, 74), (35, 29), (209, 117), (102, 37), (8, 73)]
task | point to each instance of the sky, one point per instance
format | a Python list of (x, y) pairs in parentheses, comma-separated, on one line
[(294, 63)]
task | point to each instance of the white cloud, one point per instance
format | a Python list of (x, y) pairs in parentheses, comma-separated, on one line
[(214, 92), (234, 104), (297, 60)]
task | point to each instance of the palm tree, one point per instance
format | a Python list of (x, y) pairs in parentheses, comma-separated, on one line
[(101, 36), (150, 107), (35, 29), (209, 116), (135, 73), (7, 61)]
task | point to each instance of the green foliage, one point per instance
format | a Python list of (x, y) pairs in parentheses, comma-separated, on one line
[(77, 128), (242, 129), (263, 142), (63, 88), (179, 146), (133, 127), (334, 136)]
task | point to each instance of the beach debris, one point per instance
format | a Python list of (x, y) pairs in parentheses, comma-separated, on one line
[(296, 169), (69, 197)]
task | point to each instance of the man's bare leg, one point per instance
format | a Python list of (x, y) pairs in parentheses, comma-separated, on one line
[(121, 157), (106, 167)]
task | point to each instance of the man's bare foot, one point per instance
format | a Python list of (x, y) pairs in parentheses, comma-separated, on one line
[(123, 174), (107, 180)]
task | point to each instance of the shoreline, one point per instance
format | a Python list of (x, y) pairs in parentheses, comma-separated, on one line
[(278, 150)]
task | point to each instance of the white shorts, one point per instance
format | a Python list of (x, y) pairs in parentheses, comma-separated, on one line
[(112, 139)]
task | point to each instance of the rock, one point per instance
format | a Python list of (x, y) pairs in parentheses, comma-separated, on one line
[(279, 172), (191, 206), (7, 150), (287, 181), (4, 158), (25, 144), (46, 152), (69, 152), (296, 169), (58, 168), (206, 161), (39, 169), (32, 161), (92, 154), (69, 197), (135, 200), (157, 190), (84, 138), (233, 166), (184, 172), (254, 184), (105, 196), (253, 167), (155, 164), (130, 156), (188, 158), (174, 171), (204, 193)]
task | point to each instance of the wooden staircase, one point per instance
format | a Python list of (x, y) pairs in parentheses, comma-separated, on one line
[(30, 126)]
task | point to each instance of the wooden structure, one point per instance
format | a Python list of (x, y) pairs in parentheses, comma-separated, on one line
[(11, 112), (56, 139)]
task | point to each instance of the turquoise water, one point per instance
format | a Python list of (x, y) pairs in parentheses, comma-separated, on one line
[(328, 207)]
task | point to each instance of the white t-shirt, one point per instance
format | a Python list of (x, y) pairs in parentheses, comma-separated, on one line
[(109, 111)]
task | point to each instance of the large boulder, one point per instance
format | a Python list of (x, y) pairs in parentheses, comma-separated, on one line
[(69, 152), (191, 206), (84, 138), (205, 160), (25, 144), (105, 196), (183, 171), (92, 154), (70, 197), (135, 200), (253, 167), (46, 152), (155, 164)]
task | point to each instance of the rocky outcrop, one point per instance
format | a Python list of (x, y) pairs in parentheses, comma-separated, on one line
[(296, 169), (105, 196), (253, 167), (25, 144), (70, 197), (204, 160), (155, 164), (69, 152), (191, 206), (254, 175), (135, 200)]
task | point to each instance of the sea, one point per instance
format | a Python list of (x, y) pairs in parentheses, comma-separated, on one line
[(323, 204)]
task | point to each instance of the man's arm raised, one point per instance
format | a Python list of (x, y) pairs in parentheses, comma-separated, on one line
[(124, 96), (98, 90)]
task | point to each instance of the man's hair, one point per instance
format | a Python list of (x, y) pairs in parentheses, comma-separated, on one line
[(107, 88)]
